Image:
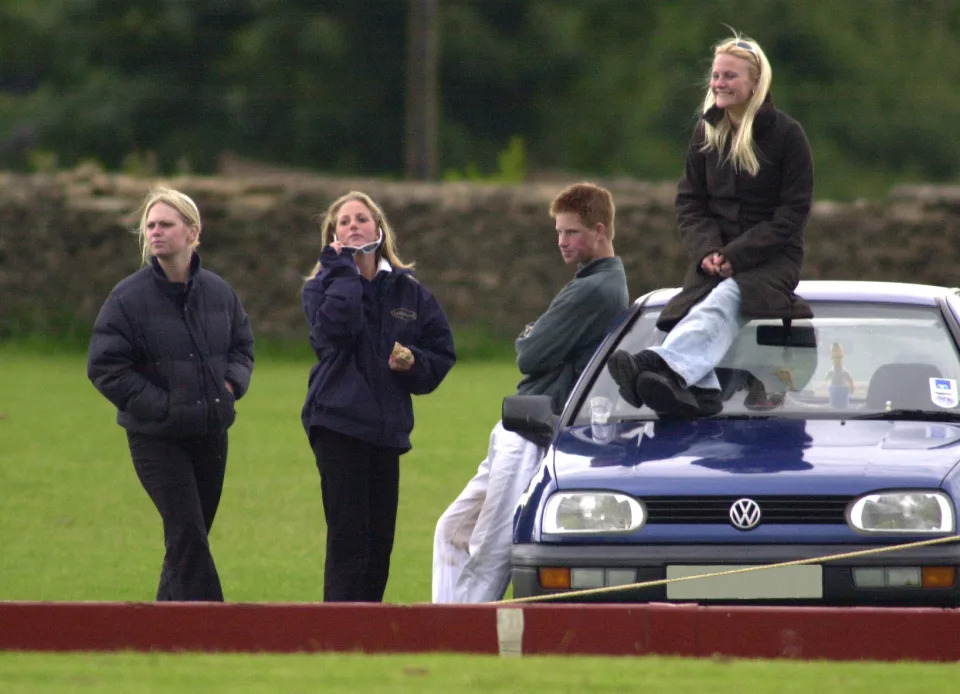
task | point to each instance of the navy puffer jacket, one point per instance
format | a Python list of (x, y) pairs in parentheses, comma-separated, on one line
[(161, 352)]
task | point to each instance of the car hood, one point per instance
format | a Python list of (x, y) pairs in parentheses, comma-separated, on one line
[(774, 456)]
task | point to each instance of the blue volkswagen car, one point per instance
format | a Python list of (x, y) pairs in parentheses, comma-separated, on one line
[(830, 477)]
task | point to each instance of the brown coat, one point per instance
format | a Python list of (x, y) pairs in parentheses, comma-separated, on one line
[(756, 222)]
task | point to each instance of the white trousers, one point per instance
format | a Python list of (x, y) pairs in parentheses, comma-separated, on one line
[(472, 542)]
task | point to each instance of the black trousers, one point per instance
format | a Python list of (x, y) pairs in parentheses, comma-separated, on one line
[(360, 485), (184, 478)]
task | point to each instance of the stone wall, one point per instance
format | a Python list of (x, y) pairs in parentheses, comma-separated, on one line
[(488, 252)]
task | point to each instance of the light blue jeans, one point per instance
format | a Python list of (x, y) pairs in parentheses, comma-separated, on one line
[(698, 342)]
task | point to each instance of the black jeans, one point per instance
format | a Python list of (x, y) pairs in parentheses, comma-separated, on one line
[(360, 485), (184, 478)]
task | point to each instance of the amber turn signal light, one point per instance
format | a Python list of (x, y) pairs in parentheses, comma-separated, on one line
[(555, 578), (938, 576)]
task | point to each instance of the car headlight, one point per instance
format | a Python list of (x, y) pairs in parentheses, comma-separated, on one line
[(592, 512), (903, 512)]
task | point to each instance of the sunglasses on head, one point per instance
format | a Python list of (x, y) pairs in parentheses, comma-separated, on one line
[(746, 46)]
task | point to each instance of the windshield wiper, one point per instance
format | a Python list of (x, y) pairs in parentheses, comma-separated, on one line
[(911, 415)]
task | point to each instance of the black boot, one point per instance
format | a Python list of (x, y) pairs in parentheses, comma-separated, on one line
[(666, 396), (625, 368), (709, 401)]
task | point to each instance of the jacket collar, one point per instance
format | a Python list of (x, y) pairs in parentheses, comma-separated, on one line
[(174, 287), (595, 266)]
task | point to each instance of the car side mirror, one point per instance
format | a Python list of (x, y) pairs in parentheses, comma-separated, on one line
[(787, 335), (531, 416)]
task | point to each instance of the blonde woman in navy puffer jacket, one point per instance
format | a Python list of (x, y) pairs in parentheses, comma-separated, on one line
[(172, 349)]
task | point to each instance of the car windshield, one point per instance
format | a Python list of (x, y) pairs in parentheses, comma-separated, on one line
[(852, 359)]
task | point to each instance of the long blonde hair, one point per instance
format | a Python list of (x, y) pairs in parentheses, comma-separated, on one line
[(183, 204), (328, 230), (741, 154)]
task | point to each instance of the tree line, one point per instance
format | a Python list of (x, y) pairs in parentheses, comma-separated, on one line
[(486, 89)]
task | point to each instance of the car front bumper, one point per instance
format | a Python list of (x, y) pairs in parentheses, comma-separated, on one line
[(824, 582)]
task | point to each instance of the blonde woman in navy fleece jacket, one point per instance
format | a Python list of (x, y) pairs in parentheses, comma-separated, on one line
[(360, 301)]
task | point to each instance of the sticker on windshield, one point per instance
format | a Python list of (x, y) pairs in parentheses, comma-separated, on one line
[(943, 392)]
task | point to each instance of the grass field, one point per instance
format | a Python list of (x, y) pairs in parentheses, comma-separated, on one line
[(441, 674), (76, 525)]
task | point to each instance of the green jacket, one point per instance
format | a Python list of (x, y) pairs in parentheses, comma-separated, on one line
[(553, 351)]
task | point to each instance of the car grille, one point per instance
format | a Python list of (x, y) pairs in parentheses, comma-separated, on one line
[(773, 509)]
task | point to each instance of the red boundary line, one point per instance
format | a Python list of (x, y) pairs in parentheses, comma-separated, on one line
[(860, 633)]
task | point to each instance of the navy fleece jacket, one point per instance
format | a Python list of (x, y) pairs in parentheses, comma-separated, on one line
[(353, 325)]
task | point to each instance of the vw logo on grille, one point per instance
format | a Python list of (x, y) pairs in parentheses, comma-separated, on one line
[(745, 514)]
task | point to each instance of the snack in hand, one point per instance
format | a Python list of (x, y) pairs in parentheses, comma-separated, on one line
[(401, 354)]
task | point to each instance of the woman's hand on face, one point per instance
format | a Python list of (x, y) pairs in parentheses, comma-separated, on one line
[(336, 246)]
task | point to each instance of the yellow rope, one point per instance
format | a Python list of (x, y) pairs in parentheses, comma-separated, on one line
[(664, 581)]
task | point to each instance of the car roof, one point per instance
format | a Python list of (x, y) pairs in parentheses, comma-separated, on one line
[(843, 290)]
